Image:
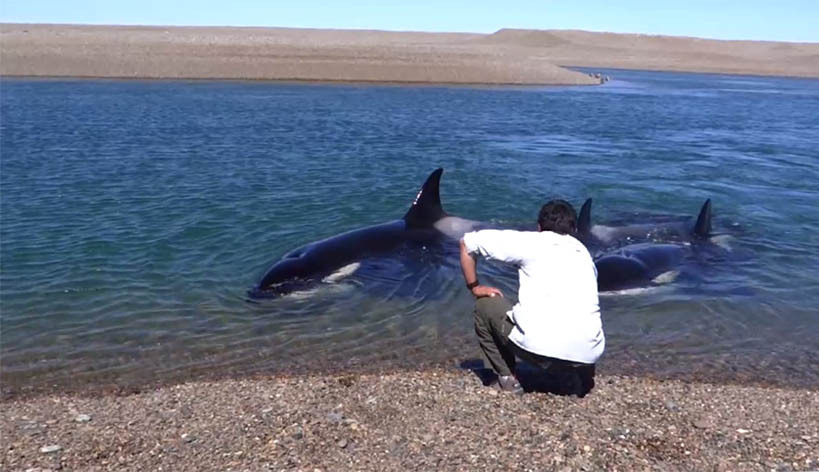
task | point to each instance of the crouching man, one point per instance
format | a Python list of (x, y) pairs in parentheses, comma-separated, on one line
[(556, 323)]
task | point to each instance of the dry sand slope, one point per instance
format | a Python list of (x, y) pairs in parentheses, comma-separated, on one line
[(505, 57), (672, 53), (270, 53)]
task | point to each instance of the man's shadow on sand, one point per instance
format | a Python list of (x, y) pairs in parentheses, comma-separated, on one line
[(536, 379)]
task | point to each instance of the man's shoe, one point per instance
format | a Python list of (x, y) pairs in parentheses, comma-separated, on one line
[(508, 383)]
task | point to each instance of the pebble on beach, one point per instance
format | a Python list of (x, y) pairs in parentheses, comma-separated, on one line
[(50, 449), (82, 418)]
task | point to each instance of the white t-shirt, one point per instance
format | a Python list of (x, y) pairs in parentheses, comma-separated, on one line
[(558, 313)]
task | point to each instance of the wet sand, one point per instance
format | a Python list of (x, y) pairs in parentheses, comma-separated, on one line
[(506, 57)]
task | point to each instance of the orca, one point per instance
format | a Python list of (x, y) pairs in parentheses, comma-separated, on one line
[(639, 265), (425, 223), (641, 255), (674, 231), (626, 257)]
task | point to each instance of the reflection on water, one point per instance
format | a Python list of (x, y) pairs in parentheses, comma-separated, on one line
[(135, 215)]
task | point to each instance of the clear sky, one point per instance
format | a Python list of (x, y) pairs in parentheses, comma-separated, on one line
[(780, 20)]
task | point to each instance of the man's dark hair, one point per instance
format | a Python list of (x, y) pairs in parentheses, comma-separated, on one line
[(558, 216)]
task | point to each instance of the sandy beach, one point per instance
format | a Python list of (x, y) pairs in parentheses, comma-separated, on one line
[(511, 57), (437, 419)]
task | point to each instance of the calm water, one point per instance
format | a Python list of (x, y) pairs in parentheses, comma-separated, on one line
[(135, 215)]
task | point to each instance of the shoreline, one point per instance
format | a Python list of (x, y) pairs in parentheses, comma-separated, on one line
[(794, 370), (727, 370), (444, 419), (292, 81), (694, 72), (390, 83), (378, 83), (506, 57)]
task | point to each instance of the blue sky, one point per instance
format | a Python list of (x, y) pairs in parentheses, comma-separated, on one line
[(782, 20)]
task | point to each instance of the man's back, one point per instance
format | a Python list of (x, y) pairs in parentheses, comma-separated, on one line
[(557, 314)]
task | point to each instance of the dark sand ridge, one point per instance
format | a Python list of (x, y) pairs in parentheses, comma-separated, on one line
[(505, 57)]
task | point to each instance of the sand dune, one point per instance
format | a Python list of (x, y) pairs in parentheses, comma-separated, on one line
[(633, 51), (505, 57)]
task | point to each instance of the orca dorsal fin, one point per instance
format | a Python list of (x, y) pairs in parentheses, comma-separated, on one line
[(584, 219), (426, 208), (703, 226)]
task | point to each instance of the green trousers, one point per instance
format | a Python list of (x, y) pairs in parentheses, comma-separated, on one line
[(493, 327)]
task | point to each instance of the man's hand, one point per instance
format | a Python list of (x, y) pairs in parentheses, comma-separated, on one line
[(486, 291)]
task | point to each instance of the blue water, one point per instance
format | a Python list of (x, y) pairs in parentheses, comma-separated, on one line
[(135, 215)]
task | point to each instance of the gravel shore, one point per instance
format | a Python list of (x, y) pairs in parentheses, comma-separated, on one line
[(436, 419)]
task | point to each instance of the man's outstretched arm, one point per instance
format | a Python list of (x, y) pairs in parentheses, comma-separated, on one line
[(469, 266)]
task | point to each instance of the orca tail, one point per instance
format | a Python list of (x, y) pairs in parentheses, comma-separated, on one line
[(703, 226), (426, 208), (584, 219)]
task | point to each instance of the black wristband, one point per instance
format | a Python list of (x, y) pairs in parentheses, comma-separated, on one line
[(473, 284)]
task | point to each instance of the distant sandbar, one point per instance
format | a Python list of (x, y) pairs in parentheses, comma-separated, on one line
[(507, 57)]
